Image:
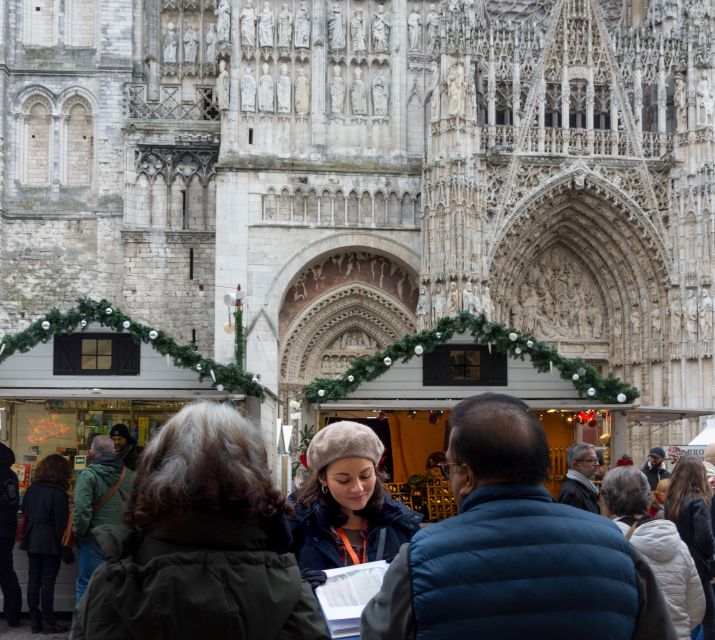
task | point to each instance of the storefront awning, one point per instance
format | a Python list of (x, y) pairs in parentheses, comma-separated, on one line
[(439, 404), (664, 414), (11, 393)]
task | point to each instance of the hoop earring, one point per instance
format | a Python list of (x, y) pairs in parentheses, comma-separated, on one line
[(324, 488)]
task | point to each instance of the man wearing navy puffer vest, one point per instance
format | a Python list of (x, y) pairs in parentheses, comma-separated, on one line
[(513, 564)]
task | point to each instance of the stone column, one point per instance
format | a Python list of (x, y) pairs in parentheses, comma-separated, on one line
[(318, 64)]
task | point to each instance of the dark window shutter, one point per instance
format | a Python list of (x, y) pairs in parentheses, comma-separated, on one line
[(126, 356), (65, 356)]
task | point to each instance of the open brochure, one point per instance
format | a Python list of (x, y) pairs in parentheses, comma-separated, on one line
[(345, 594)]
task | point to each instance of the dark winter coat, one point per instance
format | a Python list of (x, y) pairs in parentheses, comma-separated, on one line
[(515, 565), (655, 475), (314, 542), (9, 493), (577, 495), (695, 528), (46, 508), (211, 577), (129, 455)]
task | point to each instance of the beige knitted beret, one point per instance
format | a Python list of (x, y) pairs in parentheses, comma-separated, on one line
[(344, 439)]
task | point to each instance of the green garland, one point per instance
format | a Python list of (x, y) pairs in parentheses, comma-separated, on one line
[(585, 378), (231, 378)]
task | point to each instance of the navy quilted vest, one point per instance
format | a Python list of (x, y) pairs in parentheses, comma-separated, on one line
[(514, 565)]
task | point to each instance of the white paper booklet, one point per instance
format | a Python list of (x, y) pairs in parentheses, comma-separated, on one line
[(345, 594)]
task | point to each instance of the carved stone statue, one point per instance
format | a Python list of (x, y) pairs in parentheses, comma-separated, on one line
[(456, 90), (380, 31), (248, 91), (676, 317), (248, 25), (224, 20), (191, 44), (302, 92), (223, 83), (681, 104), (434, 92), (266, 24), (170, 43), (357, 32), (414, 30), (358, 93), (302, 27), (432, 30), (423, 311), (452, 307), (380, 95), (690, 315), (437, 302), (705, 315), (337, 90), (265, 90), (336, 28), (211, 39), (470, 300), (285, 27), (283, 87), (705, 101)]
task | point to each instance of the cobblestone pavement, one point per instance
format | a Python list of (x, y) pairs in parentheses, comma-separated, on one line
[(23, 632)]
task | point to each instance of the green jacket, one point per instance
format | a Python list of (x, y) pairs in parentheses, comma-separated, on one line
[(93, 484), (208, 578)]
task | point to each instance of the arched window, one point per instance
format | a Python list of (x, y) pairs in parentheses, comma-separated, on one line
[(78, 143), (38, 141)]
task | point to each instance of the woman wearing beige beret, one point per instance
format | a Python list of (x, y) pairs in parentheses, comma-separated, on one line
[(343, 513)]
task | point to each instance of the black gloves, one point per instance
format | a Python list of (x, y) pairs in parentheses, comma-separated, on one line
[(67, 555), (314, 577)]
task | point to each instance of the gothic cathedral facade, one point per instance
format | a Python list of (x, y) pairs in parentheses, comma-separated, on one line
[(362, 168)]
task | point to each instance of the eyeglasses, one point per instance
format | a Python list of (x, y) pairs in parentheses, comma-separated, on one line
[(589, 460), (444, 468)]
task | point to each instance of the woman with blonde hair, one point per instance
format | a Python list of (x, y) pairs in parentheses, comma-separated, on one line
[(626, 494), (688, 505), (204, 552)]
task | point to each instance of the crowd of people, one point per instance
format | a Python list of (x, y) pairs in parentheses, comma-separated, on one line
[(198, 541)]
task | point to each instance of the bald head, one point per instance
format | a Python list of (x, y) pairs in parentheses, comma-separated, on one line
[(499, 438)]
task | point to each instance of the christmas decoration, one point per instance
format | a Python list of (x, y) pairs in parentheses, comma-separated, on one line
[(419, 350), (544, 357), (387, 361), (108, 311), (513, 337), (219, 387), (46, 325), (231, 377)]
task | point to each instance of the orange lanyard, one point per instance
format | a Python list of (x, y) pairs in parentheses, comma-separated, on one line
[(350, 550)]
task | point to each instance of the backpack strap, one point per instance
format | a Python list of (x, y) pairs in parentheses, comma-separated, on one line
[(108, 496)]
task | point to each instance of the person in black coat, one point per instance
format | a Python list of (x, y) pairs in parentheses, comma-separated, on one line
[(654, 469), (343, 513), (46, 508), (125, 446), (9, 503), (688, 504), (578, 490)]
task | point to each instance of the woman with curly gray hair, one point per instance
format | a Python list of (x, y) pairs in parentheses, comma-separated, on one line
[(626, 493), (204, 550)]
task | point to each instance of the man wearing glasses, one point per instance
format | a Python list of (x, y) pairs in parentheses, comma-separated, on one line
[(578, 489), (513, 564)]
